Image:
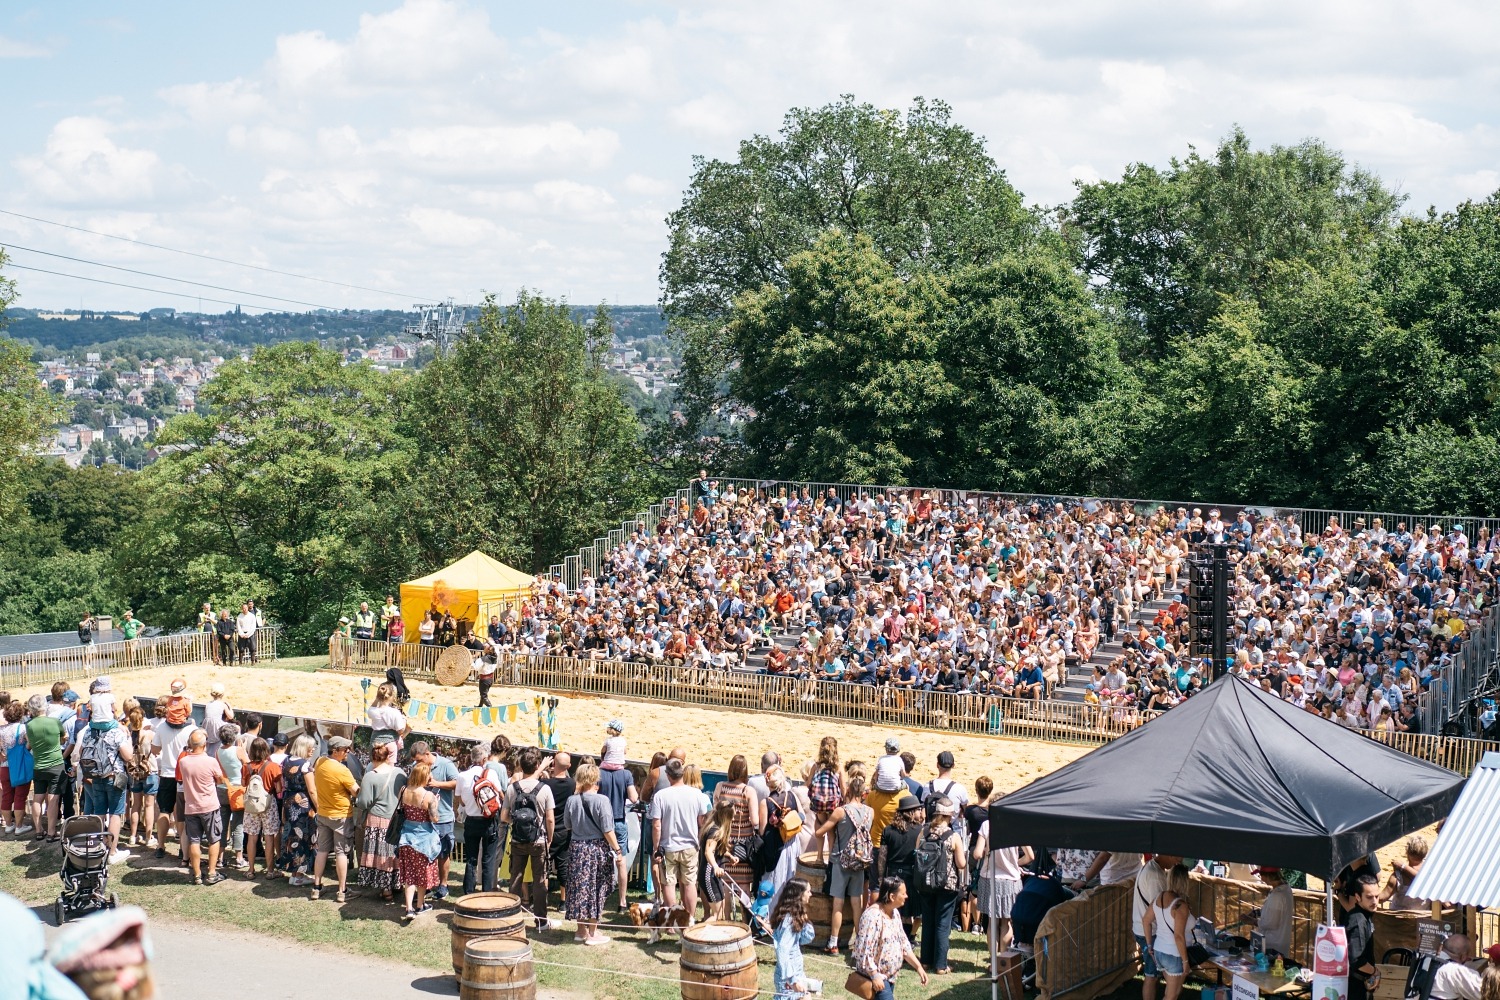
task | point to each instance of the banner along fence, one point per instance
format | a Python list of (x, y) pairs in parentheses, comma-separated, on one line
[(25, 670), (1019, 718)]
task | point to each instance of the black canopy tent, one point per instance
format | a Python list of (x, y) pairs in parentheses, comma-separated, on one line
[(1236, 775)]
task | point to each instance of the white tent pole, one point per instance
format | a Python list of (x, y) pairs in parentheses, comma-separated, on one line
[(1328, 886), (995, 943)]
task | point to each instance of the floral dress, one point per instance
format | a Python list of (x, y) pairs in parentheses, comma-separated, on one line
[(298, 821)]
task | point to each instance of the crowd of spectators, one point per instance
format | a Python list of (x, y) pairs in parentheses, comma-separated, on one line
[(999, 597)]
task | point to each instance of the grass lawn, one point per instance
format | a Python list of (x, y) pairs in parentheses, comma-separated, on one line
[(367, 926)]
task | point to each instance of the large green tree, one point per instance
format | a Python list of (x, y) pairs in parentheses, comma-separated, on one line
[(27, 409), (275, 494), (919, 187), (527, 448), (1168, 244)]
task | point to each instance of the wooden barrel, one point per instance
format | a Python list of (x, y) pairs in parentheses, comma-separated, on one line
[(718, 962), (497, 969), (819, 905), (482, 915)]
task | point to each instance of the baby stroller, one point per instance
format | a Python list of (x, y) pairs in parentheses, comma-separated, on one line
[(85, 870)]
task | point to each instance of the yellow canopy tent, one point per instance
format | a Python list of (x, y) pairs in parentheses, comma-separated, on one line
[(475, 587)]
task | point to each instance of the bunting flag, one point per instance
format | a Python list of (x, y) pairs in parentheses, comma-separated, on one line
[(477, 716), (452, 714), (431, 712), (486, 716)]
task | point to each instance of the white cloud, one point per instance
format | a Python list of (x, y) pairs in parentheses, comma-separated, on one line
[(483, 150), (10, 48), (218, 103), (81, 164), (448, 228)]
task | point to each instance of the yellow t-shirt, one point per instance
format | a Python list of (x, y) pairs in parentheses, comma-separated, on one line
[(335, 788)]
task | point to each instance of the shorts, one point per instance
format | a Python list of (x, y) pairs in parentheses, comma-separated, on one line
[(445, 840), (1148, 959), (681, 867), (335, 836), (846, 884), (166, 796), (622, 836), (266, 824), (49, 780), (14, 796), (149, 785), (1170, 965), (103, 798), (202, 828)]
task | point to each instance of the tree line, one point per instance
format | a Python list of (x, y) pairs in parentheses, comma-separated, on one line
[(862, 297)]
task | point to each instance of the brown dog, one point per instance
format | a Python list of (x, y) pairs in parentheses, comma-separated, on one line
[(658, 917)]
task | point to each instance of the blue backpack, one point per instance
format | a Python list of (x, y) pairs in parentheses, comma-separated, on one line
[(19, 760)]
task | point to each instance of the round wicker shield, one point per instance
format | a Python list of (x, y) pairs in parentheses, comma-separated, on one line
[(453, 666)]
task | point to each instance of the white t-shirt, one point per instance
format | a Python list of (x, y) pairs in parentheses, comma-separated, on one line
[(1119, 868), (465, 790), (172, 742), (386, 717), (888, 774), (1150, 883), (101, 706), (1000, 862)]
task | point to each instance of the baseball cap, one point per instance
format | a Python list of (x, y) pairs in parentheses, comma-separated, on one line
[(1266, 870), (945, 759), (616, 726), (279, 740), (1493, 953), (892, 745)]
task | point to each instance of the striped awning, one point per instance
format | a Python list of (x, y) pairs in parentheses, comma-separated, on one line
[(1462, 866)]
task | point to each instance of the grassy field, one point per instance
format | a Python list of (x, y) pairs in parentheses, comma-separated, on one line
[(365, 925)]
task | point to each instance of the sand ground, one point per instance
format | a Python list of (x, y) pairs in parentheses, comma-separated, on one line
[(710, 736)]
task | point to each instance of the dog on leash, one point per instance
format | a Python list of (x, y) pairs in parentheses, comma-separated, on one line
[(658, 918)]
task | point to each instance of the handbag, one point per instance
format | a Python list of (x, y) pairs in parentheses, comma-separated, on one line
[(398, 823), (860, 985), (236, 796)]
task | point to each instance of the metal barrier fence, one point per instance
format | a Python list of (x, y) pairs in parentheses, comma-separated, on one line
[(26, 670), (1472, 673), (983, 715)]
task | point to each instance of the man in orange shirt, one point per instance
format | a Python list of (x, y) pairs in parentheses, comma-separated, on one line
[(333, 789)]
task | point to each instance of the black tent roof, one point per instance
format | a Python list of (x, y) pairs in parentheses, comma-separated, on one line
[(1232, 774)]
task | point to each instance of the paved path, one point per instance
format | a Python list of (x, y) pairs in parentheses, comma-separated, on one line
[(191, 961)]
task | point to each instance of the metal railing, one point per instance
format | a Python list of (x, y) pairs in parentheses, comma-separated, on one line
[(27, 670), (1473, 671)]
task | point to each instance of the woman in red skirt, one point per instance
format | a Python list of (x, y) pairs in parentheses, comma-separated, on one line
[(417, 854)]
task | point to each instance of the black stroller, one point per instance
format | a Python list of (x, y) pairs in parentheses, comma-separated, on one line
[(85, 870)]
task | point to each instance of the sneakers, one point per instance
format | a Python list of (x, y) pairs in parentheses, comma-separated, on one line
[(441, 892), (23, 829), (300, 881), (152, 843), (119, 857)]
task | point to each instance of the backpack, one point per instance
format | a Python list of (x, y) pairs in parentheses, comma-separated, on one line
[(19, 761), (823, 793), (933, 864), (138, 768), (525, 816), (99, 759), (487, 795), (959, 822), (859, 850), (1422, 975), (257, 799)]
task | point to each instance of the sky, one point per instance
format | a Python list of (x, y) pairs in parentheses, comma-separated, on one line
[(438, 148)]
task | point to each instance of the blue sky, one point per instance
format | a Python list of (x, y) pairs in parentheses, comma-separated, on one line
[(438, 147)]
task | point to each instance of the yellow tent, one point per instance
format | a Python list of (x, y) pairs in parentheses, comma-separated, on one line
[(475, 587)]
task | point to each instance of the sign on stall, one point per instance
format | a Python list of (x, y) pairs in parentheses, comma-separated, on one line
[(1431, 934), (1241, 988)]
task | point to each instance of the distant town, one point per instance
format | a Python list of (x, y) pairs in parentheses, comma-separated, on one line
[(122, 375)]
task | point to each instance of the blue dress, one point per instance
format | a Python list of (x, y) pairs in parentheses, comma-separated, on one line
[(789, 969)]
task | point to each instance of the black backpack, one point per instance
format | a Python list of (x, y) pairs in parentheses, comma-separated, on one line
[(933, 863), (1422, 975), (525, 816)]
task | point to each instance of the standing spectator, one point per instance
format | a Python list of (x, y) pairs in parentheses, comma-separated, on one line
[(1165, 925), (528, 814), (102, 759), (848, 820), (388, 613), (999, 883), (1359, 925), (262, 819), (173, 730), (232, 759), (442, 782), (676, 815), (298, 817), (748, 820), (713, 865), (416, 856), (618, 786), (130, 628), (244, 632), (198, 777), (898, 853), (224, 633), (18, 771), (1276, 914), (944, 785), (364, 622), (1153, 880), (333, 789), (559, 779), (206, 629), (880, 946), (44, 737), (939, 897), (592, 854), (826, 789), (481, 832), (379, 798), (215, 714)]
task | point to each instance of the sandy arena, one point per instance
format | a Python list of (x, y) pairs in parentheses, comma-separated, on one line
[(710, 736)]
